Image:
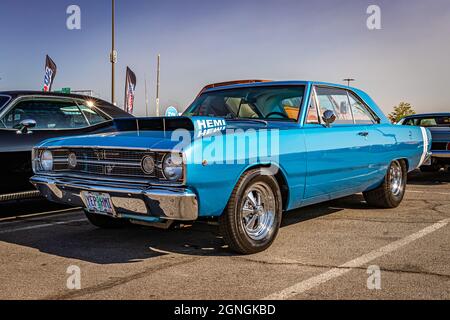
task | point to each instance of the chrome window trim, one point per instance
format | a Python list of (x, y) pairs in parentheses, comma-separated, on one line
[(20, 99)]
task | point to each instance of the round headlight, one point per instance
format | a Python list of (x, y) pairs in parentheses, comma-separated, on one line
[(173, 167), (72, 160), (148, 165), (47, 160)]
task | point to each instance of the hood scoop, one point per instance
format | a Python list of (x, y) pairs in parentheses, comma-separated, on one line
[(200, 126)]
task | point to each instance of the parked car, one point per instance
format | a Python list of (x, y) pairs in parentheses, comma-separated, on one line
[(27, 118), (439, 125), (326, 141)]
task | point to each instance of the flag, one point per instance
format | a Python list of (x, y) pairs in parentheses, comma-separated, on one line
[(130, 89), (50, 73)]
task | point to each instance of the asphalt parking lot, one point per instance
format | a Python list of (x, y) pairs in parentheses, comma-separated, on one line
[(322, 252)]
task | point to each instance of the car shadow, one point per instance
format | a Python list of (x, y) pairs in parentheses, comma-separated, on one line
[(80, 241), (418, 178)]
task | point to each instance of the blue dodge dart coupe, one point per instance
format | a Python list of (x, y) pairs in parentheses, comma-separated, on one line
[(241, 153)]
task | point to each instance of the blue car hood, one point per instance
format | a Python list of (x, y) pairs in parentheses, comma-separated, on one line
[(156, 133), (144, 140)]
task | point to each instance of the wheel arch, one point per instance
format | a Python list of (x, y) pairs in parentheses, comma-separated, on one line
[(280, 176), (406, 162)]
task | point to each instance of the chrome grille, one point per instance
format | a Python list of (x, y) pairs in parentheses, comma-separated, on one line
[(107, 162)]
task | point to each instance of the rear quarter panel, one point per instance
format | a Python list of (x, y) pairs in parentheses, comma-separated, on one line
[(399, 142)]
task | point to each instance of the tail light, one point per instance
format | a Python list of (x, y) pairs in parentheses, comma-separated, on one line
[(448, 146)]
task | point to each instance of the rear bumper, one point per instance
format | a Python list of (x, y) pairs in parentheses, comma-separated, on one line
[(129, 201), (441, 154)]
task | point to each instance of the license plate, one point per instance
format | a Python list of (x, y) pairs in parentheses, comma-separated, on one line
[(98, 203)]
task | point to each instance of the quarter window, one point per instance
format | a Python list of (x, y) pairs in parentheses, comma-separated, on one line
[(336, 100), (360, 112)]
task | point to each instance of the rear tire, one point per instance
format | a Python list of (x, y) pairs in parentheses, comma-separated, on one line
[(105, 222), (252, 218), (391, 193)]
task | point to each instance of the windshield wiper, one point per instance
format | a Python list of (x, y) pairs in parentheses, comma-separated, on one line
[(252, 120)]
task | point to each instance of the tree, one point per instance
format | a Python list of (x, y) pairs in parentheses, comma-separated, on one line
[(404, 109)]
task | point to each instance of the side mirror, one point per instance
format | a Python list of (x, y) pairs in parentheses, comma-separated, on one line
[(329, 118), (25, 126)]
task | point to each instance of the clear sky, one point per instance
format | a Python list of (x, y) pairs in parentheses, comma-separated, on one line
[(210, 41)]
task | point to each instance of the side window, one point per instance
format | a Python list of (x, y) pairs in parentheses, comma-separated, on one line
[(312, 116), (336, 100), (91, 115), (360, 112), (47, 114)]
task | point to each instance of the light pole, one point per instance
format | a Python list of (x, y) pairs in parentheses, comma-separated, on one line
[(348, 80), (113, 56)]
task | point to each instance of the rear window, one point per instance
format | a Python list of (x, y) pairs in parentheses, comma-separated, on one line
[(429, 122)]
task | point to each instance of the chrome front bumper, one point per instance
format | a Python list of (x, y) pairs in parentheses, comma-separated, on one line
[(129, 201)]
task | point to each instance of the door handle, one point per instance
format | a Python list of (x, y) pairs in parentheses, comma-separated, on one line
[(364, 134)]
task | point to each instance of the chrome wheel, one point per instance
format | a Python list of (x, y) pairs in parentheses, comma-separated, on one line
[(258, 211), (396, 178)]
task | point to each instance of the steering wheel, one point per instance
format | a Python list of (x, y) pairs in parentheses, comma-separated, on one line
[(276, 113)]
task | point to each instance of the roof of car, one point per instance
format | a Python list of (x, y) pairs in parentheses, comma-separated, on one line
[(422, 115), (17, 93), (360, 93), (105, 106), (279, 83)]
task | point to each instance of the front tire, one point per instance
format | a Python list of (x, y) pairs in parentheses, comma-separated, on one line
[(391, 193), (105, 222), (252, 218)]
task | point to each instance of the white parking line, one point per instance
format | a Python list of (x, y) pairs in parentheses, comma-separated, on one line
[(313, 282), (439, 193), (41, 226), (60, 213)]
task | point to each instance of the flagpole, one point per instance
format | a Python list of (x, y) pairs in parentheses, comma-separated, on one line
[(113, 57), (146, 97), (158, 71)]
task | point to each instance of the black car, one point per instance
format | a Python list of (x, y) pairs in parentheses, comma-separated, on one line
[(28, 117), (439, 126)]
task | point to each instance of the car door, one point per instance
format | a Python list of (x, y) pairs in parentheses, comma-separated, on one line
[(337, 156), (54, 117)]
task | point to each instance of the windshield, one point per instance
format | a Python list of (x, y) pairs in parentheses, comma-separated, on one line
[(429, 122), (265, 102)]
